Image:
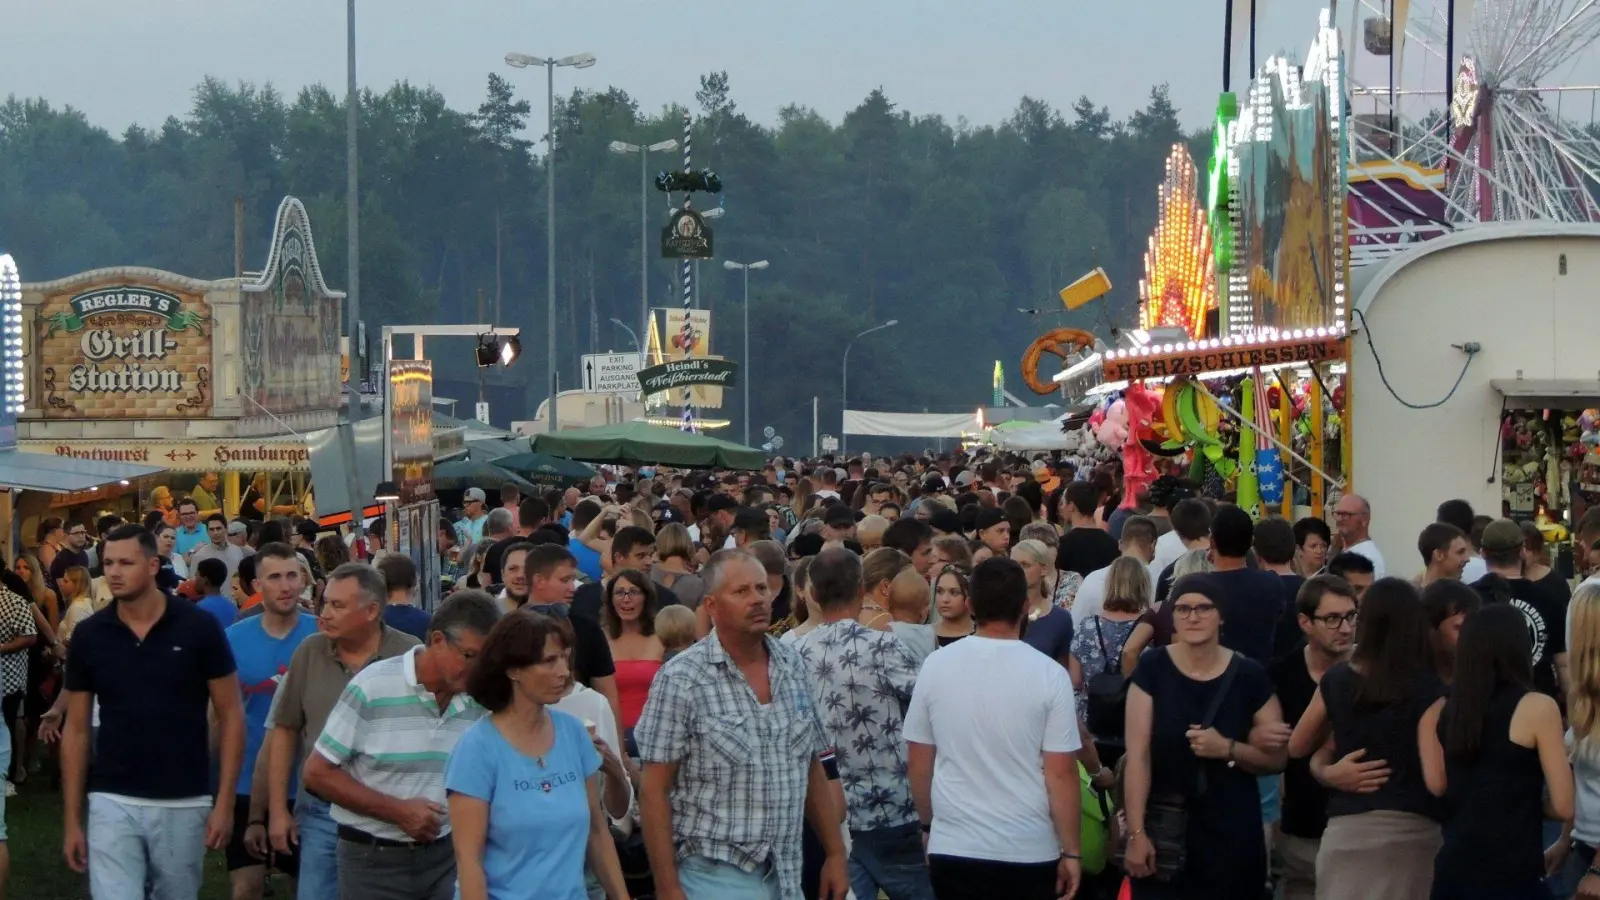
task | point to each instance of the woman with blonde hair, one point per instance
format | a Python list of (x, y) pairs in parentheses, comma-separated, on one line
[(1038, 563), (1049, 627), (1575, 851), (1098, 642), (79, 603), (878, 571), (676, 570)]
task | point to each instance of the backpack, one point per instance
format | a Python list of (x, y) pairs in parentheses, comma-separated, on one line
[(1106, 693)]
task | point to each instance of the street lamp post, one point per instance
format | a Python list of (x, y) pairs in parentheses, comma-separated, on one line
[(523, 61), (745, 360), (624, 326), (352, 214), (845, 376), (644, 152)]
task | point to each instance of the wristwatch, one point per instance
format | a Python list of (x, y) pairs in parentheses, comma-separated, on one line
[(1231, 761)]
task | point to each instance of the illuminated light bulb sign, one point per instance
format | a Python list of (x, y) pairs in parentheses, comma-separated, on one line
[(1286, 169), (11, 319), (1179, 285)]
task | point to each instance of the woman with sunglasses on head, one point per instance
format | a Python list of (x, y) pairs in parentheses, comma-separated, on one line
[(1494, 751), (1383, 825), (1189, 787), (628, 615)]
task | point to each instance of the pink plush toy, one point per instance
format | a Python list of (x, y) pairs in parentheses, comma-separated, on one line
[(1112, 430), (1138, 464)]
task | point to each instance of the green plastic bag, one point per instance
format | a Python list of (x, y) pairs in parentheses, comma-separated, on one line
[(1094, 834)]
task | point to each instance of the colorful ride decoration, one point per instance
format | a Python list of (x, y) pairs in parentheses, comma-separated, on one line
[(1061, 343), (1180, 277)]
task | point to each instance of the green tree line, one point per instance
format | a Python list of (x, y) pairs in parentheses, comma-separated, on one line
[(949, 227)]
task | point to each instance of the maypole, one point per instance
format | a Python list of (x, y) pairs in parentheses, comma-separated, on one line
[(687, 423)]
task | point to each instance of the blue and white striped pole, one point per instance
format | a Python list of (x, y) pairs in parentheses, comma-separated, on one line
[(687, 424)]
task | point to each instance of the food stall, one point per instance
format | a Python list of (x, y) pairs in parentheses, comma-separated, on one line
[(215, 381)]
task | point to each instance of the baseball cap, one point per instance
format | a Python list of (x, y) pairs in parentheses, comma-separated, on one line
[(988, 517), (1502, 535), (933, 484), (237, 526), (474, 494), (965, 478)]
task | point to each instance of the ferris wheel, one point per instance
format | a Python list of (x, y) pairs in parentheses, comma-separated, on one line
[(1473, 111)]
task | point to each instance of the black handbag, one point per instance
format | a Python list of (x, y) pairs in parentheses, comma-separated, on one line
[(1166, 816), (1106, 694)]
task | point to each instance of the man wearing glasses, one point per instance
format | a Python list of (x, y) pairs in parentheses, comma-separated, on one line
[(379, 760), (1326, 614), (1352, 517), (74, 553)]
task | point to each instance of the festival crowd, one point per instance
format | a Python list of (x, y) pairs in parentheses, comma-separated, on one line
[(963, 677)]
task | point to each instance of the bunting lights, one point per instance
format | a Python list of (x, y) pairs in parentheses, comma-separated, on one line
[(11, 314), (1179, 285)]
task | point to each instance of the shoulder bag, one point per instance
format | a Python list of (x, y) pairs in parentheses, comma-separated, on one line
[(1166, 816)]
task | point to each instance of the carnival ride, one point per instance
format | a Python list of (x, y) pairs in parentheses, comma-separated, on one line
[(1472, 129)]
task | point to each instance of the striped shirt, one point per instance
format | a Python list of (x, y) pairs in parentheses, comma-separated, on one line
[(387, 731)]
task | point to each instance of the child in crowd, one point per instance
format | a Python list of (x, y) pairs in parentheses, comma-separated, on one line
[(675, 626)]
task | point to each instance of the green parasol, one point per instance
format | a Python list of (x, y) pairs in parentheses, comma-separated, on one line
[(547, 471)]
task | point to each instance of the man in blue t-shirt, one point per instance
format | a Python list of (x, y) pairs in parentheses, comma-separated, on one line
[(400, 612), (263, 646), (211, 579), (1253, 598)]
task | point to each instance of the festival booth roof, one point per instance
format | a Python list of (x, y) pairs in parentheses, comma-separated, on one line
[(491, 449), (63, 474), (458, 475), (640, 443), (892, 424)]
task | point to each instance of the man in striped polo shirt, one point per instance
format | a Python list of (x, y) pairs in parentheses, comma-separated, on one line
[(381, 757)]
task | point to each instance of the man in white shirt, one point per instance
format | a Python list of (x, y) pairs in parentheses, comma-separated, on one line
[(997, 790), (1352, 516), (1191, 530), (1139, 542)]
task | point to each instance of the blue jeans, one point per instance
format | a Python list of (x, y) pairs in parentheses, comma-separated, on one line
[(891, 860), (145, 852), (1564, 883), (710, 879), (319, 850)]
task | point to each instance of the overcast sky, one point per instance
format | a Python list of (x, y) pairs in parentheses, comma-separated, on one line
[(127, 61)]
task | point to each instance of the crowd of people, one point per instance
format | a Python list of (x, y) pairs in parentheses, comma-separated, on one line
[(952, 677)]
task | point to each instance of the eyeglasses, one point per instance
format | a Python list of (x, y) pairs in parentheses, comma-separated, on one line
[(1193, 611), (628, 592), (1334, 620)]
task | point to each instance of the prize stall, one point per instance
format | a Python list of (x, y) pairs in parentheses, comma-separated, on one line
[(1234, 373)]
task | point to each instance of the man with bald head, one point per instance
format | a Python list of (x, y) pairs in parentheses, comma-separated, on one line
[(1352, 518), (869, 531), (717, 830)]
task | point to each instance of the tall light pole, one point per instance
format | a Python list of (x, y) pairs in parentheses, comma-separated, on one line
[(845, 378), (644, 151), (352, 212), (745, 361), (624, 326), (523, 61)]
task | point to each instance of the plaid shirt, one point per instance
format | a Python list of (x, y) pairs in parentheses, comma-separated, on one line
[(740, 792)]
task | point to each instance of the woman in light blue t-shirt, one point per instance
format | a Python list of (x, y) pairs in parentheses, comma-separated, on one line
[(523, 784)]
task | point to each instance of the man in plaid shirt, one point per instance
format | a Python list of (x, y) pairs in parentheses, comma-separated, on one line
[(730, 739)]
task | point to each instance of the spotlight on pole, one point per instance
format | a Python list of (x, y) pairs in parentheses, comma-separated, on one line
[(488, 350), (510, 349)]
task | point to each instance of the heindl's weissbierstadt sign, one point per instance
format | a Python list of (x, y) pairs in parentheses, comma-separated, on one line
[(698, 370)]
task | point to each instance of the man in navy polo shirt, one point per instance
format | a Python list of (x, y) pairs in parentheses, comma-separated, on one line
[(154, 665)]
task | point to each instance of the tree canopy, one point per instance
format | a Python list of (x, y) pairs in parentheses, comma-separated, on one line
[(949, 227)]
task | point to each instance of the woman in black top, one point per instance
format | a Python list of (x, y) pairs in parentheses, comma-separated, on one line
[(1382, 834), (1208, 773), (1492, 750)]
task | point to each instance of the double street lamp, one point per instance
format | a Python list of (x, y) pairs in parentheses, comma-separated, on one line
[(845, 379), (644, 151), (523, 61), (745, 268)]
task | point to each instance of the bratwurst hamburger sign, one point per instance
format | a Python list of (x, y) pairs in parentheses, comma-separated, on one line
[(124, 351)]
